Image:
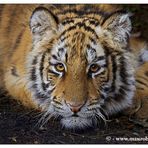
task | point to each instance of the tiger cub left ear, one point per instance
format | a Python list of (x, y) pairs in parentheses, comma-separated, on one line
[(119, 25), (41, 21)]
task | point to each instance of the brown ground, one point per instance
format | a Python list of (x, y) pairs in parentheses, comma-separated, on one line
[(18, 125)]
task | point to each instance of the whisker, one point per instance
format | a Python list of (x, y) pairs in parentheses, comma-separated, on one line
[(100, 115), (47, 119), (55, 118), (42, 119), (106, 115), (97, 118)]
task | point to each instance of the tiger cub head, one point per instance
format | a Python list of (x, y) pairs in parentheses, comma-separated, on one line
[(80, 69)]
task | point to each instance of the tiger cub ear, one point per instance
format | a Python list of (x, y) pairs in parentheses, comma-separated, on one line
[(119, 25), (41, 21)]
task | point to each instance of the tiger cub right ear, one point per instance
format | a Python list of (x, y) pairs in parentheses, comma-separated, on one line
[(119, 25), (41, 21)]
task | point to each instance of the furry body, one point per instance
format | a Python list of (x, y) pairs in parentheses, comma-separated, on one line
[(34, 41)]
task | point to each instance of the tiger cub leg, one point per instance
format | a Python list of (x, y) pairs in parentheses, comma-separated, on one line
[(139, 110)]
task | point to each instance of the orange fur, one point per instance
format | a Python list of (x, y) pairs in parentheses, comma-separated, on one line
[(16, 43)]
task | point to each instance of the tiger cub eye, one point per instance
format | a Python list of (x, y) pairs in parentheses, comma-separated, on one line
[(60, 67), (94, 68)]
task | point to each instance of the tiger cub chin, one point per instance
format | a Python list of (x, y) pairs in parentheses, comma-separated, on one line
[(73, 62)]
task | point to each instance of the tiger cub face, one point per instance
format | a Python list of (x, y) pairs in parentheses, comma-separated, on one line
[(80, 69)]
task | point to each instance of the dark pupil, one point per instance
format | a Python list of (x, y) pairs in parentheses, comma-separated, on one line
[(94, 67), (60, 66)]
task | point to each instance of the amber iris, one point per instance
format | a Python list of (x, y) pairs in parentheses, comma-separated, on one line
[(60, 67), (94, 68)]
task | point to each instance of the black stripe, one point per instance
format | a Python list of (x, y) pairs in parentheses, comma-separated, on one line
[(93, 103), (33, 74), (54, 57), (102, 96), (122, 91), (104, 65), (42, 65), (87, 28), (57, 108), (41, 97), (69, 29), (52, 72), (64, 38), (34, 86), (68, 21), (123, 71), (17, 43), (60, 51), (44, 86), (41, 70), (14, 71), (89, 47), (34, 62), (114, 69), (94, 22), (80, 25), (101, 73), (100, 58), (33, 71), (57, 102), (146, 73), (140, 88), (119, 97), (66, 57), (141, 82), (91, 21), (141, 77), (106, 89), (126, 88), (52, 64), (106, 51), (92, 40), (18, 40), (50, 91)]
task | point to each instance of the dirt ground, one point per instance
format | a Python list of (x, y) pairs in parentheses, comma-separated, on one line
[(18, 124)]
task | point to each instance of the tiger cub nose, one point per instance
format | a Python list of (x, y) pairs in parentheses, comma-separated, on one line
[(75, 107)]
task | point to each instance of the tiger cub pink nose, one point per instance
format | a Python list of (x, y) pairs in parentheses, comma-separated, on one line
[(74, 107)]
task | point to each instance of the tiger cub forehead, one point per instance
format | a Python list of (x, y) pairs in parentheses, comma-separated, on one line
[(78, 39), (79, 24), (77, 44)]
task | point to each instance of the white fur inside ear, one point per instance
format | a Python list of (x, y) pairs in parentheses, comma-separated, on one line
[(41, 21), (38, 21), (122, 28), (119, 25), (125, 23)]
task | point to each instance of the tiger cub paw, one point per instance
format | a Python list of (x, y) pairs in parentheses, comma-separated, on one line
[(139, 112)]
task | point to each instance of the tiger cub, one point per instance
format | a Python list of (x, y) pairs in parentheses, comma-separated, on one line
[(76, 62)]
